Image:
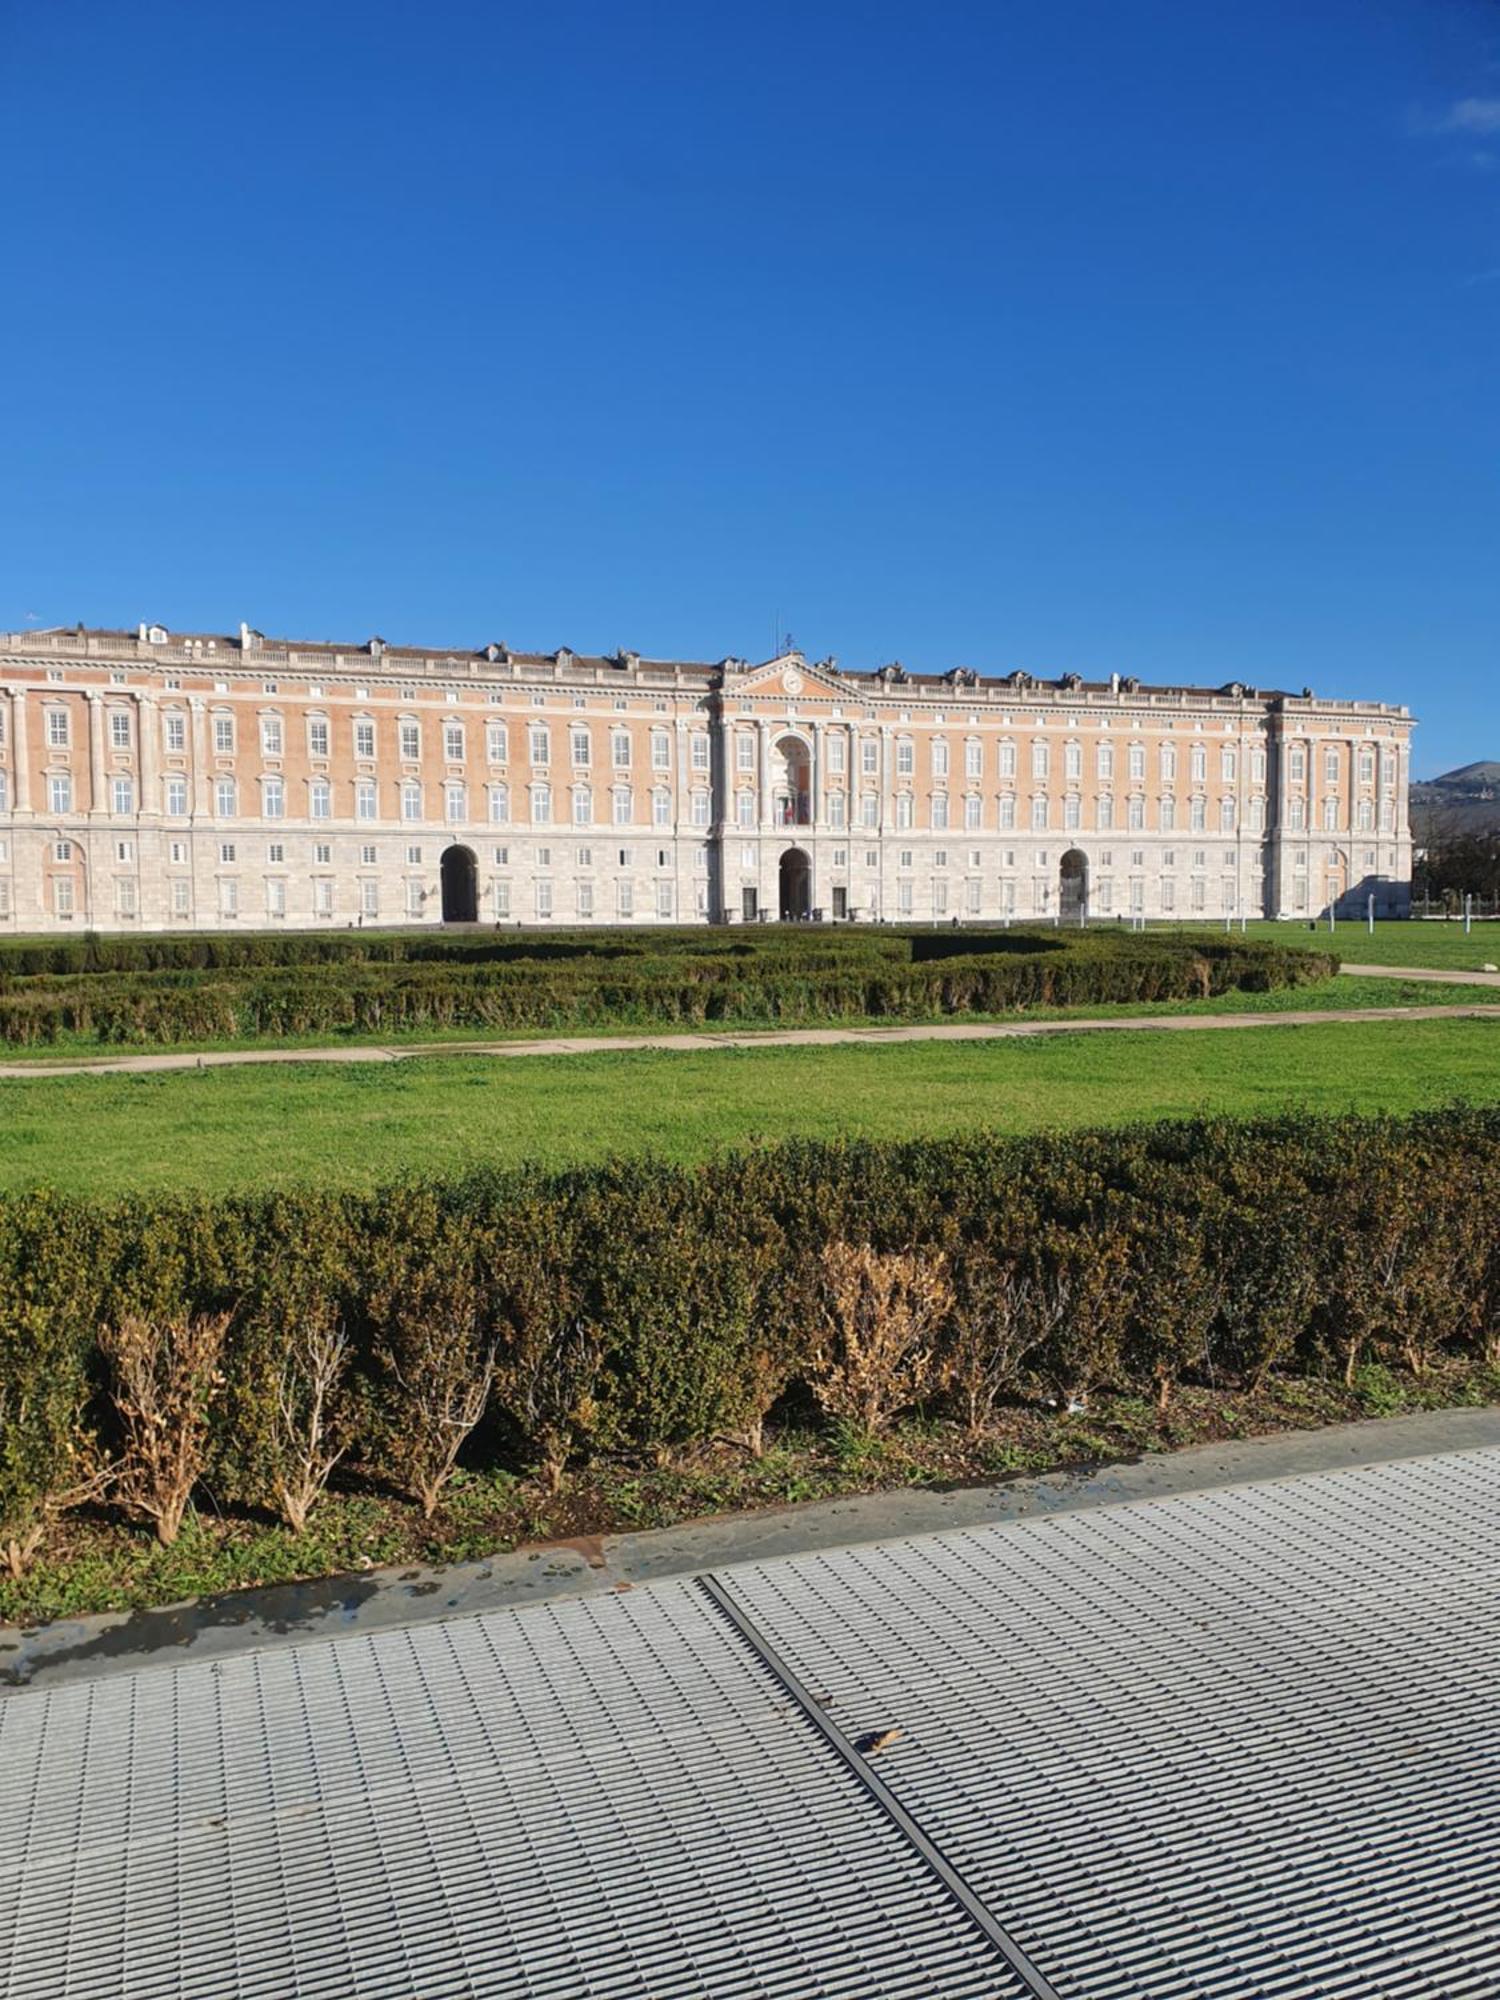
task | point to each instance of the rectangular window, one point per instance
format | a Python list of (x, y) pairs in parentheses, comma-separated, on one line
[(541, 805), (544, 899), (410, 740), (317, 736), (903, 899), (119, 729), (122, 795), (453, 742), (539, 742), (365, 799), (364, 738), (369, 899), (60, 793), (1041, 760), (1007, 760), (906, 757), (273, 798), (275, 897), (1104, 762), (624, 899), (229, 897), (939, 758), (744, 808), (270, 735), (323, 897), (835, 749), (62, 895), (320, 799), (661, 750), (416, 897), (584, 897), (411, 801), (869, 756), (182, 898), (57, 729), (1073, 760), (1330, 767), (664, 900), (126, 903), (973, 758)]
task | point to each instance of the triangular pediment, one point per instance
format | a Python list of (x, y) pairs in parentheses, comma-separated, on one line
[(791, 675)]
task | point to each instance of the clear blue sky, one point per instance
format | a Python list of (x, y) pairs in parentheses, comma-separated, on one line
[(1149, 335)]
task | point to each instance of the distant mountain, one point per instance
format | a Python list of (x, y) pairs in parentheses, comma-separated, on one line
[(1464, 801), (1475, 781)]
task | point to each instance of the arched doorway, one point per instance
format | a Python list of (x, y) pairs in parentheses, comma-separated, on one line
[(460, 886), (1073, 887), (796, 885)]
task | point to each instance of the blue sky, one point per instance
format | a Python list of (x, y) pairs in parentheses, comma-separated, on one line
[(1098, 334)]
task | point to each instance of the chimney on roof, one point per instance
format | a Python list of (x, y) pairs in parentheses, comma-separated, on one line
[(1114, 683), (140, 633)]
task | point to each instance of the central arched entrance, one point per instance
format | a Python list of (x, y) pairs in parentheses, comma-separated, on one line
[(1073, 887), (460, 873), (796, 886)]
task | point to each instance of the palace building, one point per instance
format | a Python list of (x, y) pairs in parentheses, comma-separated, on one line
[(153, 780)]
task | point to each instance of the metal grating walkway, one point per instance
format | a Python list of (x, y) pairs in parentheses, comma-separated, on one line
[(1233, 1745), (1226, 1746)]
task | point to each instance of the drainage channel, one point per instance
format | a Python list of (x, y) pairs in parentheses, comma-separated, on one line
[(868, 1778)]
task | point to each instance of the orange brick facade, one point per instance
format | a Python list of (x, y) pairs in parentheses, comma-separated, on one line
[(153, 780)]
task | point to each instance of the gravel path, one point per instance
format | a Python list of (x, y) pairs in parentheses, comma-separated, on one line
[(774, 1038)]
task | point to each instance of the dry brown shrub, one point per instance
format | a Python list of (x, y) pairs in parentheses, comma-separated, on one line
[(166, 1377), (882, 1310), (311, 1422)]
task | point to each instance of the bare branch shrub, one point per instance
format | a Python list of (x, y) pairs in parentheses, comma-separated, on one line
[(1004, 1316), (311, 1426), (166, 1377), (440, 1367), (881, 1314)]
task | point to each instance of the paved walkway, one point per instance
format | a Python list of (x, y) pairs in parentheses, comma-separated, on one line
[(768, 1038), (1424, 974)]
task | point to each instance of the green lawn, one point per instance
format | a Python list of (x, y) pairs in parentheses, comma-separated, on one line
[(1328, 995), (1439, 946), (356, 1122)]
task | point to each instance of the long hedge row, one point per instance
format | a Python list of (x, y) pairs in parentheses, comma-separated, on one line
[(895, 978), (641, 1308)]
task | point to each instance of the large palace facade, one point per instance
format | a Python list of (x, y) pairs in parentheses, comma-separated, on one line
[(153, 780)]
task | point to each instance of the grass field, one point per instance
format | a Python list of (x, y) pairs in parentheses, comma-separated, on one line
[(1442, 947), (1326, 996), (356, 1123)]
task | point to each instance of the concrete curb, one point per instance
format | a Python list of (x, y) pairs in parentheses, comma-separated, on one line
[(336, 1607)]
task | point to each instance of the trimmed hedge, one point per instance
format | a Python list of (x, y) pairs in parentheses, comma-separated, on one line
[(640, 1308), (561, 984)]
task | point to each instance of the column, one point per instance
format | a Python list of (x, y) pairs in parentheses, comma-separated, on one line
[(763, 746), (20, 750), (818, 787), (96, 754), (148, 749)]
